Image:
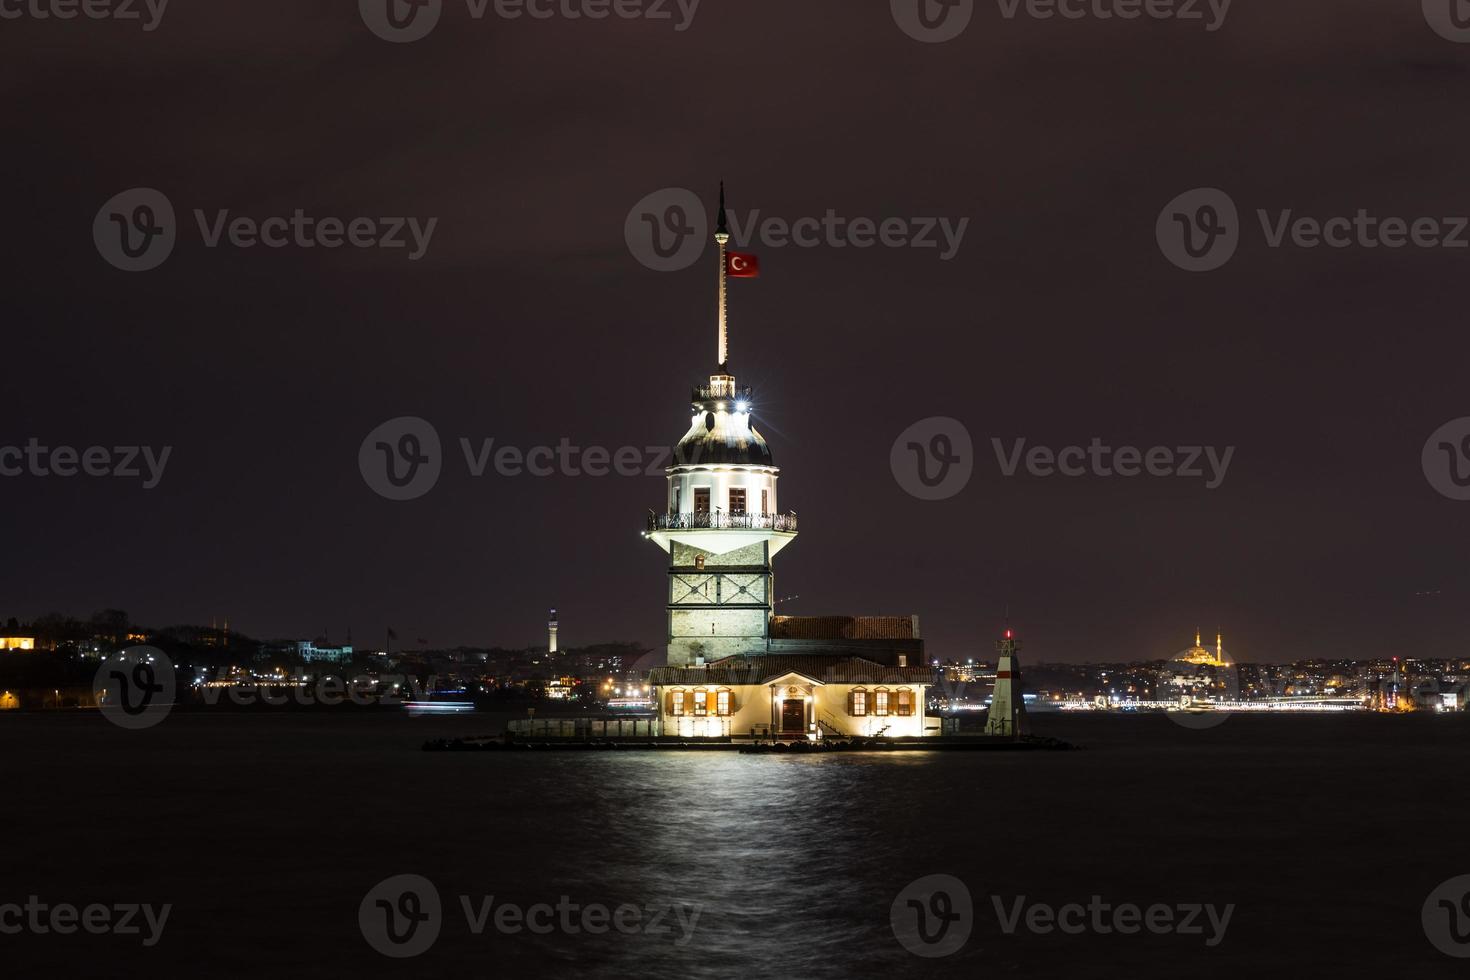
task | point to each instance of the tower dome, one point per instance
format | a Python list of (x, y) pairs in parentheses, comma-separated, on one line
[(720, 430)]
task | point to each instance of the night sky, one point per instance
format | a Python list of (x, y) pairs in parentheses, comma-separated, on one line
[(529, 321)]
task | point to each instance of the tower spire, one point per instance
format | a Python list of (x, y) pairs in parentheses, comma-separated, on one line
[(722, 236)]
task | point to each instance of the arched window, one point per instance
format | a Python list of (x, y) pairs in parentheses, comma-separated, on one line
[(857, 702)]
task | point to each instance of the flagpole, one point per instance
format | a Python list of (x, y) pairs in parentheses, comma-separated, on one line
[(722, 235)]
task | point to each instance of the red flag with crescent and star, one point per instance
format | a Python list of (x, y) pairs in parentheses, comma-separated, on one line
[(742, 265)]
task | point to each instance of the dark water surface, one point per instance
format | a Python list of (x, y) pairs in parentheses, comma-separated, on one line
[(266, 831)]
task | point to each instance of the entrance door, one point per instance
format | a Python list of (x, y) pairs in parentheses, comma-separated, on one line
[(793, 717)]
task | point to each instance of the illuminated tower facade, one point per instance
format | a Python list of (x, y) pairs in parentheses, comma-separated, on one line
[(720, 524), (551, 633)]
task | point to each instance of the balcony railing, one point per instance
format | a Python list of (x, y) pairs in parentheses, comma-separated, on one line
[(709, 393), (721, 522)]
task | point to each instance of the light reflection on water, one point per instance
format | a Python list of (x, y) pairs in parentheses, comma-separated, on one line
[(270, 830), (780, 853)]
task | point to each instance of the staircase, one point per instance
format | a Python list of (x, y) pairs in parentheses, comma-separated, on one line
[(829, 726)]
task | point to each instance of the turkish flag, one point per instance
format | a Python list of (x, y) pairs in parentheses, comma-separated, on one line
[(742, 265)]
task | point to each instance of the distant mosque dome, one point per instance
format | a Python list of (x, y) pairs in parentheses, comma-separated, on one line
[(1203, 656)]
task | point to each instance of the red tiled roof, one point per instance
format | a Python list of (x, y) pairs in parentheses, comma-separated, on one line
[(762, 669), (842, 628)]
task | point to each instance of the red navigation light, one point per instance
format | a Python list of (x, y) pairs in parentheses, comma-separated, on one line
[(1009, 634)]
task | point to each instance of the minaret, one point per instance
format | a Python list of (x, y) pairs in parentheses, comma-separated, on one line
[(721, 525), (551, 633), (1219, 649), (1007, 707)]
